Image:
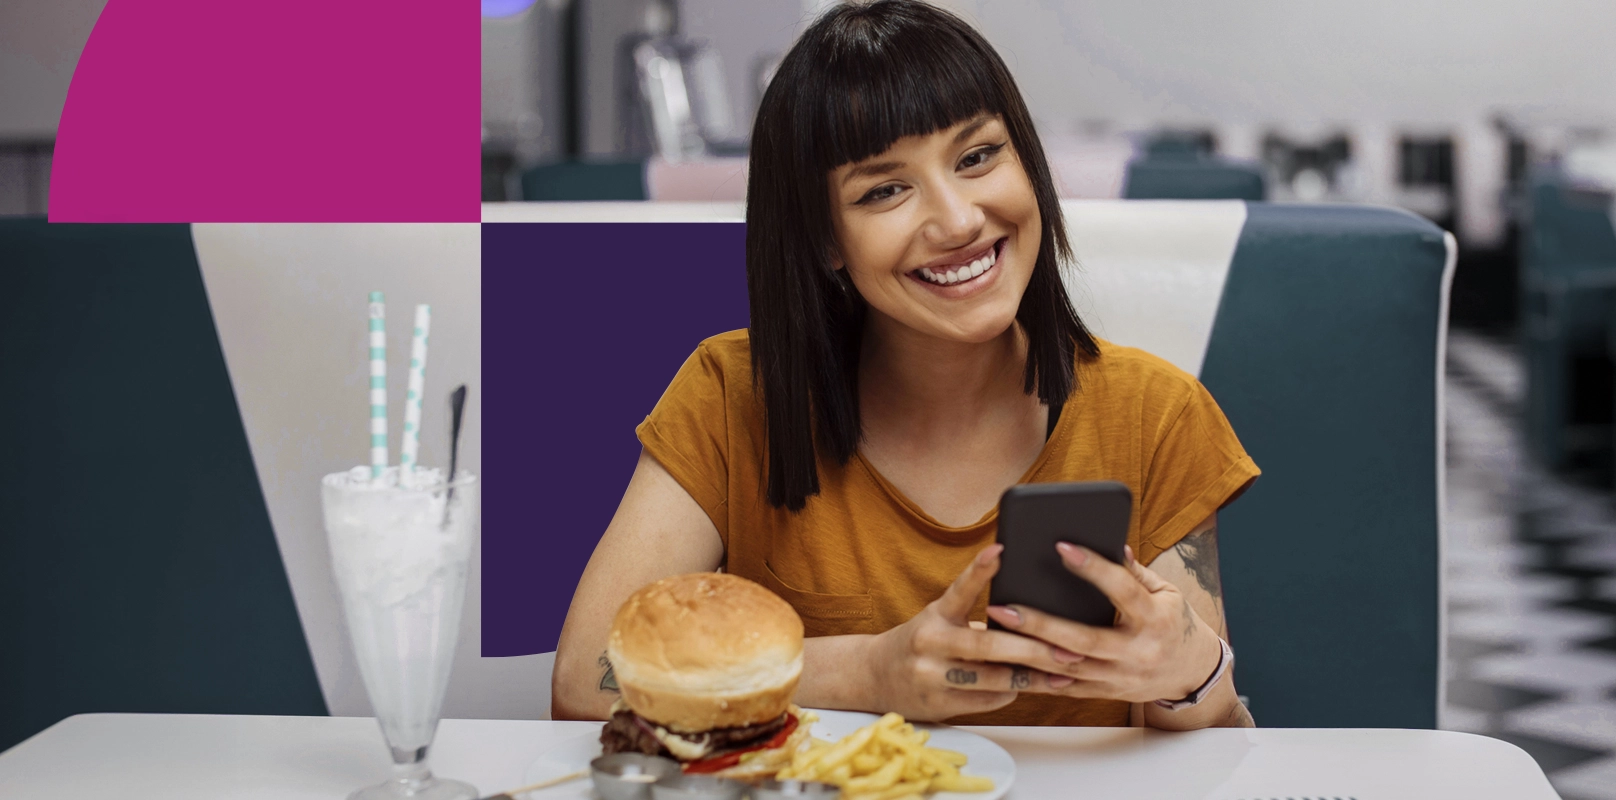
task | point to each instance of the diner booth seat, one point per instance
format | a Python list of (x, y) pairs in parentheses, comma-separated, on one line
[(572, 181), (1176, 167), (1198, 179), (1319, 329), (138, 569), (1568, 296)]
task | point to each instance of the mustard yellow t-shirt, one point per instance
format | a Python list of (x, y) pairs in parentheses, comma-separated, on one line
[(861, 558)]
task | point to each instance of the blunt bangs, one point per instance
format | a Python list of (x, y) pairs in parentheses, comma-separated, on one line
[(886, 79)]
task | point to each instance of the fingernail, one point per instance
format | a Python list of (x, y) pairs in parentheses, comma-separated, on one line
[(1064, 656), (1006, 616), (988, 553), (1061, 681), (1073, 554), (1127, 552)]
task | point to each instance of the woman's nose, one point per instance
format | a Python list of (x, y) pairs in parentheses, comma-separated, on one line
[(955, 219)]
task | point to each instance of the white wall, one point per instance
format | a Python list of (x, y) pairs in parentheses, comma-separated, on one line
[(289, 304), (40, 43), (1406, 61), (1331, 61)]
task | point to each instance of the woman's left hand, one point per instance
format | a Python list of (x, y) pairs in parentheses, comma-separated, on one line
[(1159, 649)]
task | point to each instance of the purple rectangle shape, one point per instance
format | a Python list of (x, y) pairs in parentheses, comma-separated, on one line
[(584, 324)]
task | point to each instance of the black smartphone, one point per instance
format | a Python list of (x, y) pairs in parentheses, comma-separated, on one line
[(1032, 518)]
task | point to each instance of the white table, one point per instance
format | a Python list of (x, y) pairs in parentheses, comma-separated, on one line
[(196, 756)]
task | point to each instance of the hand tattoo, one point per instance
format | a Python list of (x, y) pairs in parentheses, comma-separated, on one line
[(1020, 677), (608, 679), (960, 677)]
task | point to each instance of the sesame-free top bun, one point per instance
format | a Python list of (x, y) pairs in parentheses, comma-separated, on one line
[(706, 650)]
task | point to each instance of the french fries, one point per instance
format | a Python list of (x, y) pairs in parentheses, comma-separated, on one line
[(885, 760)]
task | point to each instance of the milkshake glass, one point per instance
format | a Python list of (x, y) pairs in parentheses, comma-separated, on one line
[(401, 553)]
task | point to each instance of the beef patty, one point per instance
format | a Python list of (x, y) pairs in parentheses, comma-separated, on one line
[(628, 732)]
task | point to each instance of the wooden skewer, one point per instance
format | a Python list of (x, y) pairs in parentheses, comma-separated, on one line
[(511, 793)]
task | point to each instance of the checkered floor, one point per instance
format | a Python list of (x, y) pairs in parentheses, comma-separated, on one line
[(1531, 585)]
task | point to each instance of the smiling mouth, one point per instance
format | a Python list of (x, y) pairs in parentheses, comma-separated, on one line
[(955, 275)]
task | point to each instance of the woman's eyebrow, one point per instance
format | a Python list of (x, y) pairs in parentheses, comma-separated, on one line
[(968, 130), (877, 168)]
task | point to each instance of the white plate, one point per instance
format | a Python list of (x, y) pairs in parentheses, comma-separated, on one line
[(986, 758)]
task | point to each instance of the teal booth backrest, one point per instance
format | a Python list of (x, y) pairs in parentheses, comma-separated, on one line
[(1189, 178), (138, 570), (1567, 293), (1326, 355), (584, 181), (1569, 228), (1568, 261)]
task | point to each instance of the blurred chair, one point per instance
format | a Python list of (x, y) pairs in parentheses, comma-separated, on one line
[(585, 180), (1207, 178), (1568, 281), (1182, 167), (138, 570), (1318, 328)]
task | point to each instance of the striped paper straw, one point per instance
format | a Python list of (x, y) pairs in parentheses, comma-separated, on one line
[(412, 400), (378, 386)]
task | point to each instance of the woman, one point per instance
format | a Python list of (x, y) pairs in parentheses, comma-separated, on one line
[(911, 354)]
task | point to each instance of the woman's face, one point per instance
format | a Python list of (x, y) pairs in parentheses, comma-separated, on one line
[(940, 232)]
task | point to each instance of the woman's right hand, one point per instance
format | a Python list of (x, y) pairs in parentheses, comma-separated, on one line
[(937, 665)]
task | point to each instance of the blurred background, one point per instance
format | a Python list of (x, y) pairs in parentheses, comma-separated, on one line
[(1493, 119)]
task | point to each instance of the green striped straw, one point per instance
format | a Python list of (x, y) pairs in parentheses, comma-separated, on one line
[(378, 386), (412, 399)]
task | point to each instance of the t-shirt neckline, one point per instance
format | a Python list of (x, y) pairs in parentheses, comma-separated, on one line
[(972, 532)]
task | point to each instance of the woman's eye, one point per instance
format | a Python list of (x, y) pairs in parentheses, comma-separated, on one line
[(977, 158), (878, 193)]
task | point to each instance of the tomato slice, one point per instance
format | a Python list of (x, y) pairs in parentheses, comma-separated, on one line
[(730, 759)]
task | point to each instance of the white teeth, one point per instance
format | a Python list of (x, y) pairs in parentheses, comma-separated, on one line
[(961, 273)]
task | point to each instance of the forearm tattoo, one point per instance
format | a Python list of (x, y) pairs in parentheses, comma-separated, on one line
[(960, 677), (1200, 554), (608, 678)]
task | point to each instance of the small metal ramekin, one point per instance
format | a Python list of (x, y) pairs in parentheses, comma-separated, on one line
[(697, 787), (629, 776), (786, 790)]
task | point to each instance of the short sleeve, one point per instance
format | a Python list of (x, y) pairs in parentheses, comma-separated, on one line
[(1196, 467), (687, 433)]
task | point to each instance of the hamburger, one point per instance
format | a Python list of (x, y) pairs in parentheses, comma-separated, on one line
[(707, 664)]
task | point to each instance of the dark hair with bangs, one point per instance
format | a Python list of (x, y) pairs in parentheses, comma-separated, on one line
[(860, 78)]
